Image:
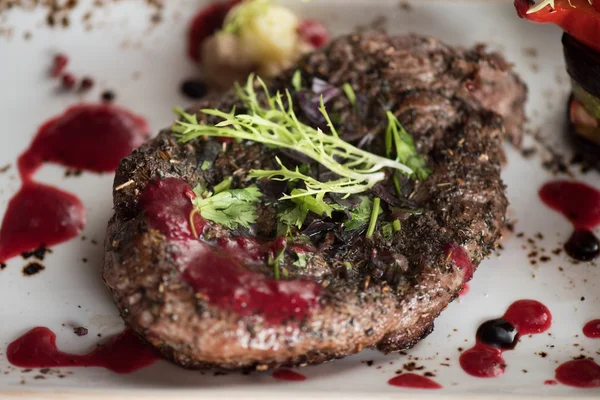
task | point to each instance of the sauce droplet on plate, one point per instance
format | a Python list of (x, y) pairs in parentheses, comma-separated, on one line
[(583, 245), (414, 381), (288, 375), (579, 373), (85, 136), (529, 317), (580, 204), (592, 329), (523, 317), (39, 215), (122, 353), (92, 137)]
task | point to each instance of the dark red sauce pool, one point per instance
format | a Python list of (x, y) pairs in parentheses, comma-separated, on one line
[(580, 204), (592, 329), (414, 381), (223, 276), (90, 137), (523, 317), (122, 353), (288, 375), (579, 373)]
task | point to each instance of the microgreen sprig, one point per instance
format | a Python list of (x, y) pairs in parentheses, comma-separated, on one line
[(278, 126)]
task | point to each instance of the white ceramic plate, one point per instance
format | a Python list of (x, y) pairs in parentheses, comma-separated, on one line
[(144, 64)]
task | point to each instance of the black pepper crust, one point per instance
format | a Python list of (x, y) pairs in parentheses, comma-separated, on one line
[(389, 305)]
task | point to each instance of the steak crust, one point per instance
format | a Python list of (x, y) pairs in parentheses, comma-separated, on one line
[(429, 87)]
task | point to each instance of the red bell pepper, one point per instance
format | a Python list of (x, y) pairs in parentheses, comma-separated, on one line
[(578, 18)]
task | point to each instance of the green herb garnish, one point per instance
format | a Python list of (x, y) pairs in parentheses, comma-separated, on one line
[(374, 215), (230, 208), (277, 126), (205, 165), (387, 230), (350, 94), (224, 185), (302, 259), (297, 80), (274, 261), (360, 215), (292, 214), (398, 142)]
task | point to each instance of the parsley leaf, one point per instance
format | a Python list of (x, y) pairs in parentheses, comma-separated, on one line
[(230, 208), (361, 215), (292, 215), (303, 259)]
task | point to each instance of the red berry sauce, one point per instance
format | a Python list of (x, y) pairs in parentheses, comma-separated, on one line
[(459, 256), (88, 137), (592, 329), (223, 276), (60, 63), (579, 373), (86, 83), (68, 81), (580, 204), (122, 353), (523, 317), (414, 381), (288, 375), (313, 32)]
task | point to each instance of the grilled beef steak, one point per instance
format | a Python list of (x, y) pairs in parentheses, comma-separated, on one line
[(214, 302)]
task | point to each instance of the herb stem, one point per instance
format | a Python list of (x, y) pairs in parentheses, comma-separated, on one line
[(349, 92), (297, 80), (224, 185), (397, 185), (374, 216), (276, 269), (397, 225), (310, 203)]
